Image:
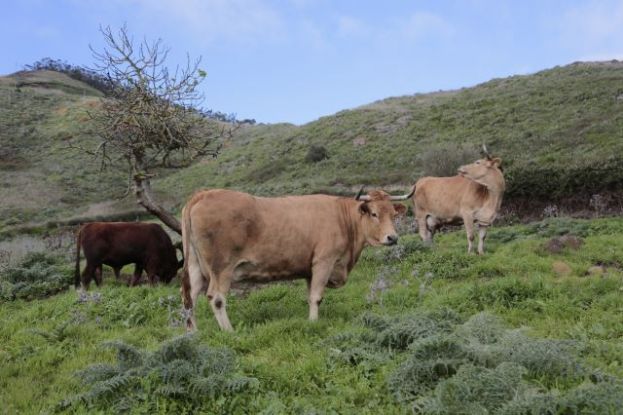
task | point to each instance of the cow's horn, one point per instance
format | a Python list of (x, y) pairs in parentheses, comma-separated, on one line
[(485, 150), (403, 197), (361, 196)]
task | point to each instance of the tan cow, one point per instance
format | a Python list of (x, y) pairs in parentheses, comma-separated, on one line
[(231, 236), (475, 195)]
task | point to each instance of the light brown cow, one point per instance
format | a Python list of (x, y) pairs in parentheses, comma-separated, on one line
[(475, 195), (231, 236)]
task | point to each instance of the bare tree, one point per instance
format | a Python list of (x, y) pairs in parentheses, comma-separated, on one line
[(150, 120)]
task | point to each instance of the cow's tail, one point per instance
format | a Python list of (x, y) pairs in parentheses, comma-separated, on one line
[(185, 284), (77, 270)]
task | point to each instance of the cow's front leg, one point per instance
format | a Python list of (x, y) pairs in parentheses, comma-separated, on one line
[(469, 230), (320, 276), (136, 277), (482, 234), (98, 275), (117, 271)]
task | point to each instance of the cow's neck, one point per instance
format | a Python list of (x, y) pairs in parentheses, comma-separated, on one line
[(352, 222), (493, 200)]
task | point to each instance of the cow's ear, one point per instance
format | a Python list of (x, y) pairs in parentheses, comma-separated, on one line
[(400, 208), (364, 209), (497, 162)]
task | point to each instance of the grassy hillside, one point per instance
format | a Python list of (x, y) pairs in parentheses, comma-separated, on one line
[(533, 326), (41, 177), (559, 131)]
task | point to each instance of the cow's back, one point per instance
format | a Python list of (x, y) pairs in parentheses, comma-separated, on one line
[(440, 196), (278, 235), (120, 243)]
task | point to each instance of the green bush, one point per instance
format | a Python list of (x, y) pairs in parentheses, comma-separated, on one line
[(474, 390), (181, 374), (443, 160), (479, 366), (316, 154), (38, 275)]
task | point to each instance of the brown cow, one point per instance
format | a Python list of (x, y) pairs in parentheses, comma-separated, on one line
[(231, 236), (116, 244), (475, 195)]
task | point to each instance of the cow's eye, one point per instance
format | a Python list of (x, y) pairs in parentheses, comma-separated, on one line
[(374, 215), (478, 162)]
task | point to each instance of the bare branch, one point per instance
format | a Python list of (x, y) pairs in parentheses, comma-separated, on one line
[(150, 119)]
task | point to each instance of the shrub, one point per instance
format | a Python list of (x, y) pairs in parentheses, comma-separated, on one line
[(316, 154), (180, 372), (79, 73), (444, 159), (38, 275), (474, 390), (480, 366)]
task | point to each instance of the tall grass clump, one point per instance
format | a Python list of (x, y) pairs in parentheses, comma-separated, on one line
[(37, 275), (181, 375)]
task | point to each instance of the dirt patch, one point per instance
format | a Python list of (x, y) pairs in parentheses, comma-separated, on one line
[(561, 268), (556, 245)]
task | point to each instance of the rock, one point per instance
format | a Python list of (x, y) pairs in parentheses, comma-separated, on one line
[(571, 241), (561, 268), (359, 141), (554, 246), (596, 270)]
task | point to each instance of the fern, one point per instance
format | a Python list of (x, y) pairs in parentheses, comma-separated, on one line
[(38, 275), (128, 356), (179, 371), (57, 335), (96, 373)]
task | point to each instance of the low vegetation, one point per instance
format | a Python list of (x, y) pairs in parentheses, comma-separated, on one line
[(37, 276), (558, 132), (430, 331)]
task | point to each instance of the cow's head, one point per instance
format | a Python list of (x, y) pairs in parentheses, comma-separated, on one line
[(486, 171), (172, 266), (378, 214)]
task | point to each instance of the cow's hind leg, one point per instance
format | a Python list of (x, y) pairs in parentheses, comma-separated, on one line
[(217, 291), (425, 233), (87, 275), (193, 283)]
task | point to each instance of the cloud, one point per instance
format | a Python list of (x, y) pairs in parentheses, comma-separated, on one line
[(593, 30), (422, 25), (215, 20), (607, 56), (351, 26)]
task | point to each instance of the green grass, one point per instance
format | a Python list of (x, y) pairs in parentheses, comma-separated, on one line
[(339, 364)]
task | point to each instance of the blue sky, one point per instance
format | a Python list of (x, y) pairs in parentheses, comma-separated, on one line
[(297, 60)]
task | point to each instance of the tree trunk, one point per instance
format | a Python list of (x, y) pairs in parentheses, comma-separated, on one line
[(144, 197)]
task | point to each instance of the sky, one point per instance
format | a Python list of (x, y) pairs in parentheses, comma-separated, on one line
[(297, 60)]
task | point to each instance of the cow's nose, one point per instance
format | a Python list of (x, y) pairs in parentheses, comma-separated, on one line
[(392, 239)]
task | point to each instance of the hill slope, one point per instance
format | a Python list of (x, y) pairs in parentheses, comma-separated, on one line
[(550, 128), (559, 131)]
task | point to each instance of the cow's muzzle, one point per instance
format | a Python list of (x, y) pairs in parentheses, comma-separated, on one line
[(390, 240)]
